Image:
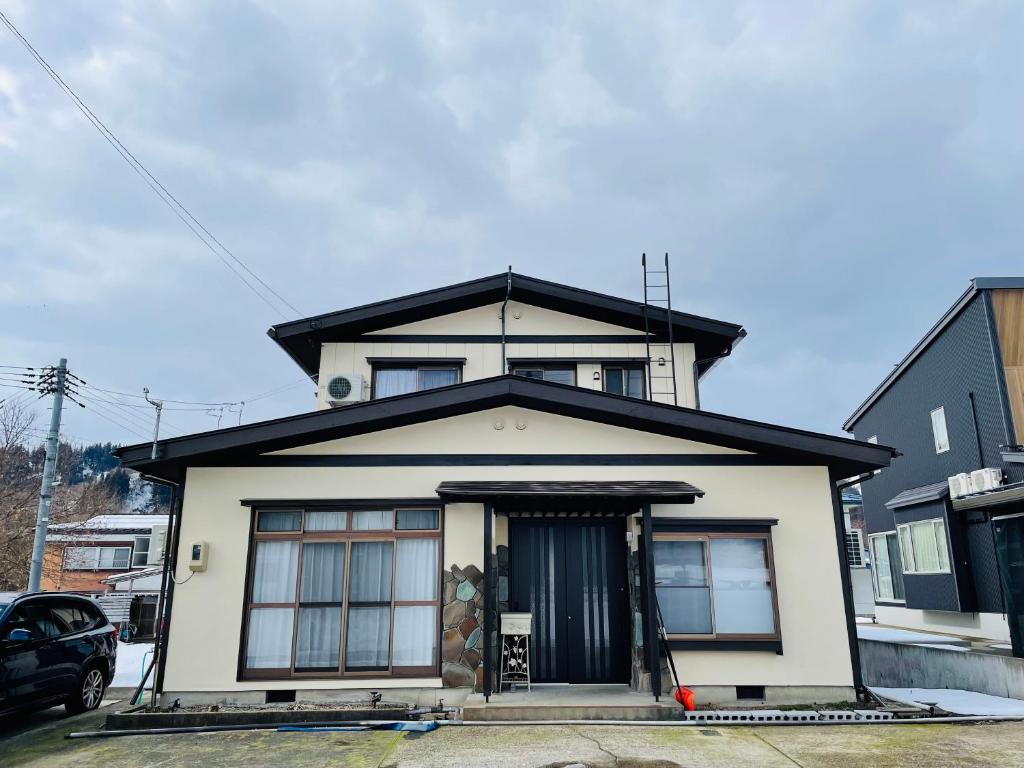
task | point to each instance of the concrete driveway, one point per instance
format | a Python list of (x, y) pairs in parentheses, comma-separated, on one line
[(935, 746)]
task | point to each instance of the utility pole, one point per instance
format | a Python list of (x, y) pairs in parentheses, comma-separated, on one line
[(159, 405), (49, 467)]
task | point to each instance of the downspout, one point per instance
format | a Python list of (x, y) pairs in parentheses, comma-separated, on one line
[(163, 610), (508, 293), (844, 576)]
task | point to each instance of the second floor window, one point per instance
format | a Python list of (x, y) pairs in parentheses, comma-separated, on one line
[(560, 374), (939, 432), (140, 554), (388, 381), (97, 558), (624, 380)]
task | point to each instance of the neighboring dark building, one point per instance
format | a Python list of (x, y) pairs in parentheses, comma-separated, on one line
[(954, 405)]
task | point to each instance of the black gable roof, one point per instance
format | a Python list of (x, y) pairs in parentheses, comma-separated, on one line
[(240, 445), (301, 339)]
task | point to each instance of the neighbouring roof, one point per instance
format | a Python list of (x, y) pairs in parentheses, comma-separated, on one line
[(242, 444), (301, 339), (676, 492), (112, 524), (919, 495), (977, 284)]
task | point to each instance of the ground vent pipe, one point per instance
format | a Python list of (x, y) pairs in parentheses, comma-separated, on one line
[(475, 723)]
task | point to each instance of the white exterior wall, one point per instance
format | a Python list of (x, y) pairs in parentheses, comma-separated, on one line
[(207, 612), (484, 360), (989, 626)]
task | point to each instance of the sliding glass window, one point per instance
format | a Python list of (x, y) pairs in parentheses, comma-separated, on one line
[(716, 586), (559, 374), (389, 380), (625, 380), (886, 567), (340, 592)]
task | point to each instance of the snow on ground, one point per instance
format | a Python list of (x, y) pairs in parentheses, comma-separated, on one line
[(132, 660), (891, 635), (958, 702)]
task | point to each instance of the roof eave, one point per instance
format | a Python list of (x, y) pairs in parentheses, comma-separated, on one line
[(843, 454)]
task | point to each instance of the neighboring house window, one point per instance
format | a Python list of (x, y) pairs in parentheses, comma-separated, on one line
[(625, 380), (854, 549), (388, 381), (97, 558), (560, 374), (716, 586), (923, 546), (344, 591), (939, 432), (140, 554), (886, 569)]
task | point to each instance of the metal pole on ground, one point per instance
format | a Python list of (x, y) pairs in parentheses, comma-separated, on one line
[(49, 469)]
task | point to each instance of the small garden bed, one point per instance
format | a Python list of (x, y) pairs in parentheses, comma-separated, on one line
[(259, 714)]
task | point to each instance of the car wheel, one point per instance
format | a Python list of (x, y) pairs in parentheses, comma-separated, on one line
[(88, 694)]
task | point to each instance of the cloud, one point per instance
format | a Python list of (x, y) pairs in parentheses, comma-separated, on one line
[(828, 175)]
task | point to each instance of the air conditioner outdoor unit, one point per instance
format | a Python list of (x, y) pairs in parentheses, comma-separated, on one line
[(960, 485), (157, 541), (346, 389), (987, 479)]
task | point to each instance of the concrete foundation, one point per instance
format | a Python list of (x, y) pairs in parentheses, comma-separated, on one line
[(893, 665), (419, 697)]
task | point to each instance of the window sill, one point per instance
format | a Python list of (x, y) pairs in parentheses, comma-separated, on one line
[(775, 646)]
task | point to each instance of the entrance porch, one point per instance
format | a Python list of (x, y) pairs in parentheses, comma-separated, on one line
[(575, 560), (569, 702)]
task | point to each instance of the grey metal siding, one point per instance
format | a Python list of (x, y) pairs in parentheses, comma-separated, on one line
[(959, 362)]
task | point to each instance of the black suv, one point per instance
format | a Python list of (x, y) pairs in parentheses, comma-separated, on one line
[(54, 648)]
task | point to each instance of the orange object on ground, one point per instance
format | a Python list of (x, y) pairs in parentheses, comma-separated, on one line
[(685, 697)]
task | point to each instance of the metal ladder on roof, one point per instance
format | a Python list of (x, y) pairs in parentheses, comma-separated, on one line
[(657, 309)]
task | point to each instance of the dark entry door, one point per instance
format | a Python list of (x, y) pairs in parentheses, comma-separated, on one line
[(1009, 534), (570, 573)]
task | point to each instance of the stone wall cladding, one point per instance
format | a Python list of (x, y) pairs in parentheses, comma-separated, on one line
[(461, 637)]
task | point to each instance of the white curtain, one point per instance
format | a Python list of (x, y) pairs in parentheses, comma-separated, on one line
[(275, 571), (883, 568), (415, 635), (323, 571), (270, 638), (743, 593), (366, 642), (326, 520), (371, 520), (319, 637), (432, 379), (926, 552), (369, 572), (416, 572), (389, 382)]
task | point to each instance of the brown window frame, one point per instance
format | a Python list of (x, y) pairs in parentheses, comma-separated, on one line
[(409, 366), (348, 536), (706, 538)]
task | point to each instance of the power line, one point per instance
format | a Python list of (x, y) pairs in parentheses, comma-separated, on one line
[(152, 182)]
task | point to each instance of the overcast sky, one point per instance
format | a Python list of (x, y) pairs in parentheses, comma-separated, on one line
[(828, 175)]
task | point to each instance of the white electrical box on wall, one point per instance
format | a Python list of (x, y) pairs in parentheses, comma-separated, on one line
[(200, 553)]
